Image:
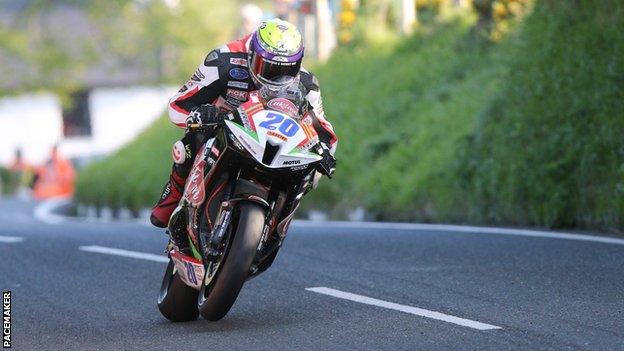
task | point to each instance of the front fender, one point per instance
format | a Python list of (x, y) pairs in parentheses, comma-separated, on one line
[(247, 190)]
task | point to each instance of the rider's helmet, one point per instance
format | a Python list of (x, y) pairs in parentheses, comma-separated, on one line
[(275, 51)]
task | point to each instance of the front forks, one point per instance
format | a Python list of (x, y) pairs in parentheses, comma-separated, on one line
[(211, 242)]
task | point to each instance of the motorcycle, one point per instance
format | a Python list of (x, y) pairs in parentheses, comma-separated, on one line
[(239, 199)]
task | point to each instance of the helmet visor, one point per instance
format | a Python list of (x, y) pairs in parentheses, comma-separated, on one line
[(273, 72)]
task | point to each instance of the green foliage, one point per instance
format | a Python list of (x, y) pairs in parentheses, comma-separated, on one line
[(134, 176), (399, 112), (167, 41), (496, 17), (9, 181), (549, 147), (438, 128), (180, 36)]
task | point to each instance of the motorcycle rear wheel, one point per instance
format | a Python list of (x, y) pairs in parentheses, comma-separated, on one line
[(217, 296), (177, 301)]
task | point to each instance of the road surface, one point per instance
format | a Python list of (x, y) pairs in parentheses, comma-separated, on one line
[(333, 287)]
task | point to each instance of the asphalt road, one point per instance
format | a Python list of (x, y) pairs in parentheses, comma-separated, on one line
[(539, 293)]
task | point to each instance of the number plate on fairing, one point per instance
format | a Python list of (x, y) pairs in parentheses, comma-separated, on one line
[(189, 269), (278, 129)]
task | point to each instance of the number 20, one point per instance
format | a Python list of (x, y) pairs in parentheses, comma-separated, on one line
[(286, 126)]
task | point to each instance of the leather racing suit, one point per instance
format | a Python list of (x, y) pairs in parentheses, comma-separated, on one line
[(223, 81)]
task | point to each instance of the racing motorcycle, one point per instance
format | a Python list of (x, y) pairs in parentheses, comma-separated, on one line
[(243, 190)]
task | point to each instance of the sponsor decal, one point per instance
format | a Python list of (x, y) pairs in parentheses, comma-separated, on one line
[(224, 104), (283, 105), (194, 191), (166, 191), (280, 59), (237, 84), (190, 269), (215, 151), (253, 97), (291, 162), (196, 186), (198, 76), (245, 119), (190, 273), (277, 135), (233, 102), (239, 73), (183, 89), (308, 127), (237, 94), (6, 319), (307, 119), (252, 108), (178, 153), (238, 61), (298, 168), (308, 143), (248, 147)]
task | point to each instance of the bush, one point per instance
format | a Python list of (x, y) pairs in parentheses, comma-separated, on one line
[(445, 127), (134, 176), (549, 149), (399, 111), (9, 181)]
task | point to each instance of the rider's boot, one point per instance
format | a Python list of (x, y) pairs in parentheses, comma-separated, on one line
[(171, 195)]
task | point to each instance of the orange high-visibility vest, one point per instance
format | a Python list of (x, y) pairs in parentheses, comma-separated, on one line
[(55, 179)]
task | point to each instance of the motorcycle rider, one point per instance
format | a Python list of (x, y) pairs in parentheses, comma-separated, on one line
[(270, 57)]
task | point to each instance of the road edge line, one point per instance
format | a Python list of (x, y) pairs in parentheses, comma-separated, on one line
[(461, 229), (124, 253), (7, 239), (45, 210)]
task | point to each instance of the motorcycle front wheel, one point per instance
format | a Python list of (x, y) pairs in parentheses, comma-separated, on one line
[(176, 300), (220, 290)]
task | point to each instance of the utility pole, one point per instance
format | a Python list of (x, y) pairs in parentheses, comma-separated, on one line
[(408, 16), (325, 36)]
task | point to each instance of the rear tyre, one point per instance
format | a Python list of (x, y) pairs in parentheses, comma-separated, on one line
[(217, 296), (176, 300)]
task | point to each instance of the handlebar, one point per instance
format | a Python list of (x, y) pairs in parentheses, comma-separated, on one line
[(201, 126)]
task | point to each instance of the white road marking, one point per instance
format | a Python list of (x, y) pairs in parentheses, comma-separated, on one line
[(10, 239), (125, 253), (44, 211), (403, 308), (460, 229)]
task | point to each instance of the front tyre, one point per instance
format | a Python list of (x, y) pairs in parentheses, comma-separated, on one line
[(217, 297), (176, 300)]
